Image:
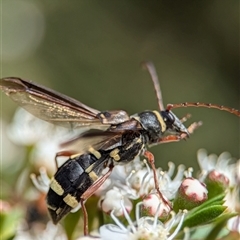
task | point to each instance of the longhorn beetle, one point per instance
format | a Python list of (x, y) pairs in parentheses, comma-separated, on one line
[(113, 137)]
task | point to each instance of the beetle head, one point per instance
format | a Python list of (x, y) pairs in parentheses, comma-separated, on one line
[(173, 123)]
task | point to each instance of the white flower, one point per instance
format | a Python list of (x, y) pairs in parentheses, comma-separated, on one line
[(141, 181), (9, 151), (121, 172), (41, 182), (140, 184), (112, 201), (232, 200), (220, 164), (228, 174), (153, 205), (194, 189), (51, 232), (27, 130), (119, 177), (142, 228), (169, 185)]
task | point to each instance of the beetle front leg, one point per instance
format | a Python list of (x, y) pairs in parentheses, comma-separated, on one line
[(177, 138), (194, 126)]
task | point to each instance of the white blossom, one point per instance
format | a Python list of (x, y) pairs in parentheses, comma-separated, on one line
[(142, 228)]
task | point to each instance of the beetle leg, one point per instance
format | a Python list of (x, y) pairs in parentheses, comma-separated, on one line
[(150, 158), (88, 193), (85, 217), (63, 154), (177, 138), (185, 118), (169, 138), (194, 126)]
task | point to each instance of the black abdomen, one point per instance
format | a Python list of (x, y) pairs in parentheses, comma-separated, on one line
[(69, 183)]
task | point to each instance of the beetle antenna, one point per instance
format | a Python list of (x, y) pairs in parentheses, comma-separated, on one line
[(205, 105), (152, 71)]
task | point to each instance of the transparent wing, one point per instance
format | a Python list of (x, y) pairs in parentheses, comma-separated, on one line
[(50, 105)]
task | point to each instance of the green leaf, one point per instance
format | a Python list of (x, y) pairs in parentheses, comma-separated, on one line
[(70, 223), (218, 200), (219, 225), (202, 231), (93, 211), (214, 188), (203, 216), (9, 222)]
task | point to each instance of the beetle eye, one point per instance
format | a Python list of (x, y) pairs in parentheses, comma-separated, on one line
[(168, 117), (171, 117)]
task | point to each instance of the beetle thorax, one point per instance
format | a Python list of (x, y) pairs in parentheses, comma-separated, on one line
[(152, 124)]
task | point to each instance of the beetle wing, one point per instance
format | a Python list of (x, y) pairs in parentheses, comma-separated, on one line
[(50, 105), (103, 140)]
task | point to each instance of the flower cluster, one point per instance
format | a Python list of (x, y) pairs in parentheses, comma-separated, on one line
[(129, 203)]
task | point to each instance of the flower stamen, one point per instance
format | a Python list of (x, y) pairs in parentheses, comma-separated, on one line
[(156, 216), (182, 215), (117, 222), (41, 182), (171, 168), (188, 172), (126, 215)]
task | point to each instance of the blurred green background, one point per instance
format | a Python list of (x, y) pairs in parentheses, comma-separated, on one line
[(91, 50)]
